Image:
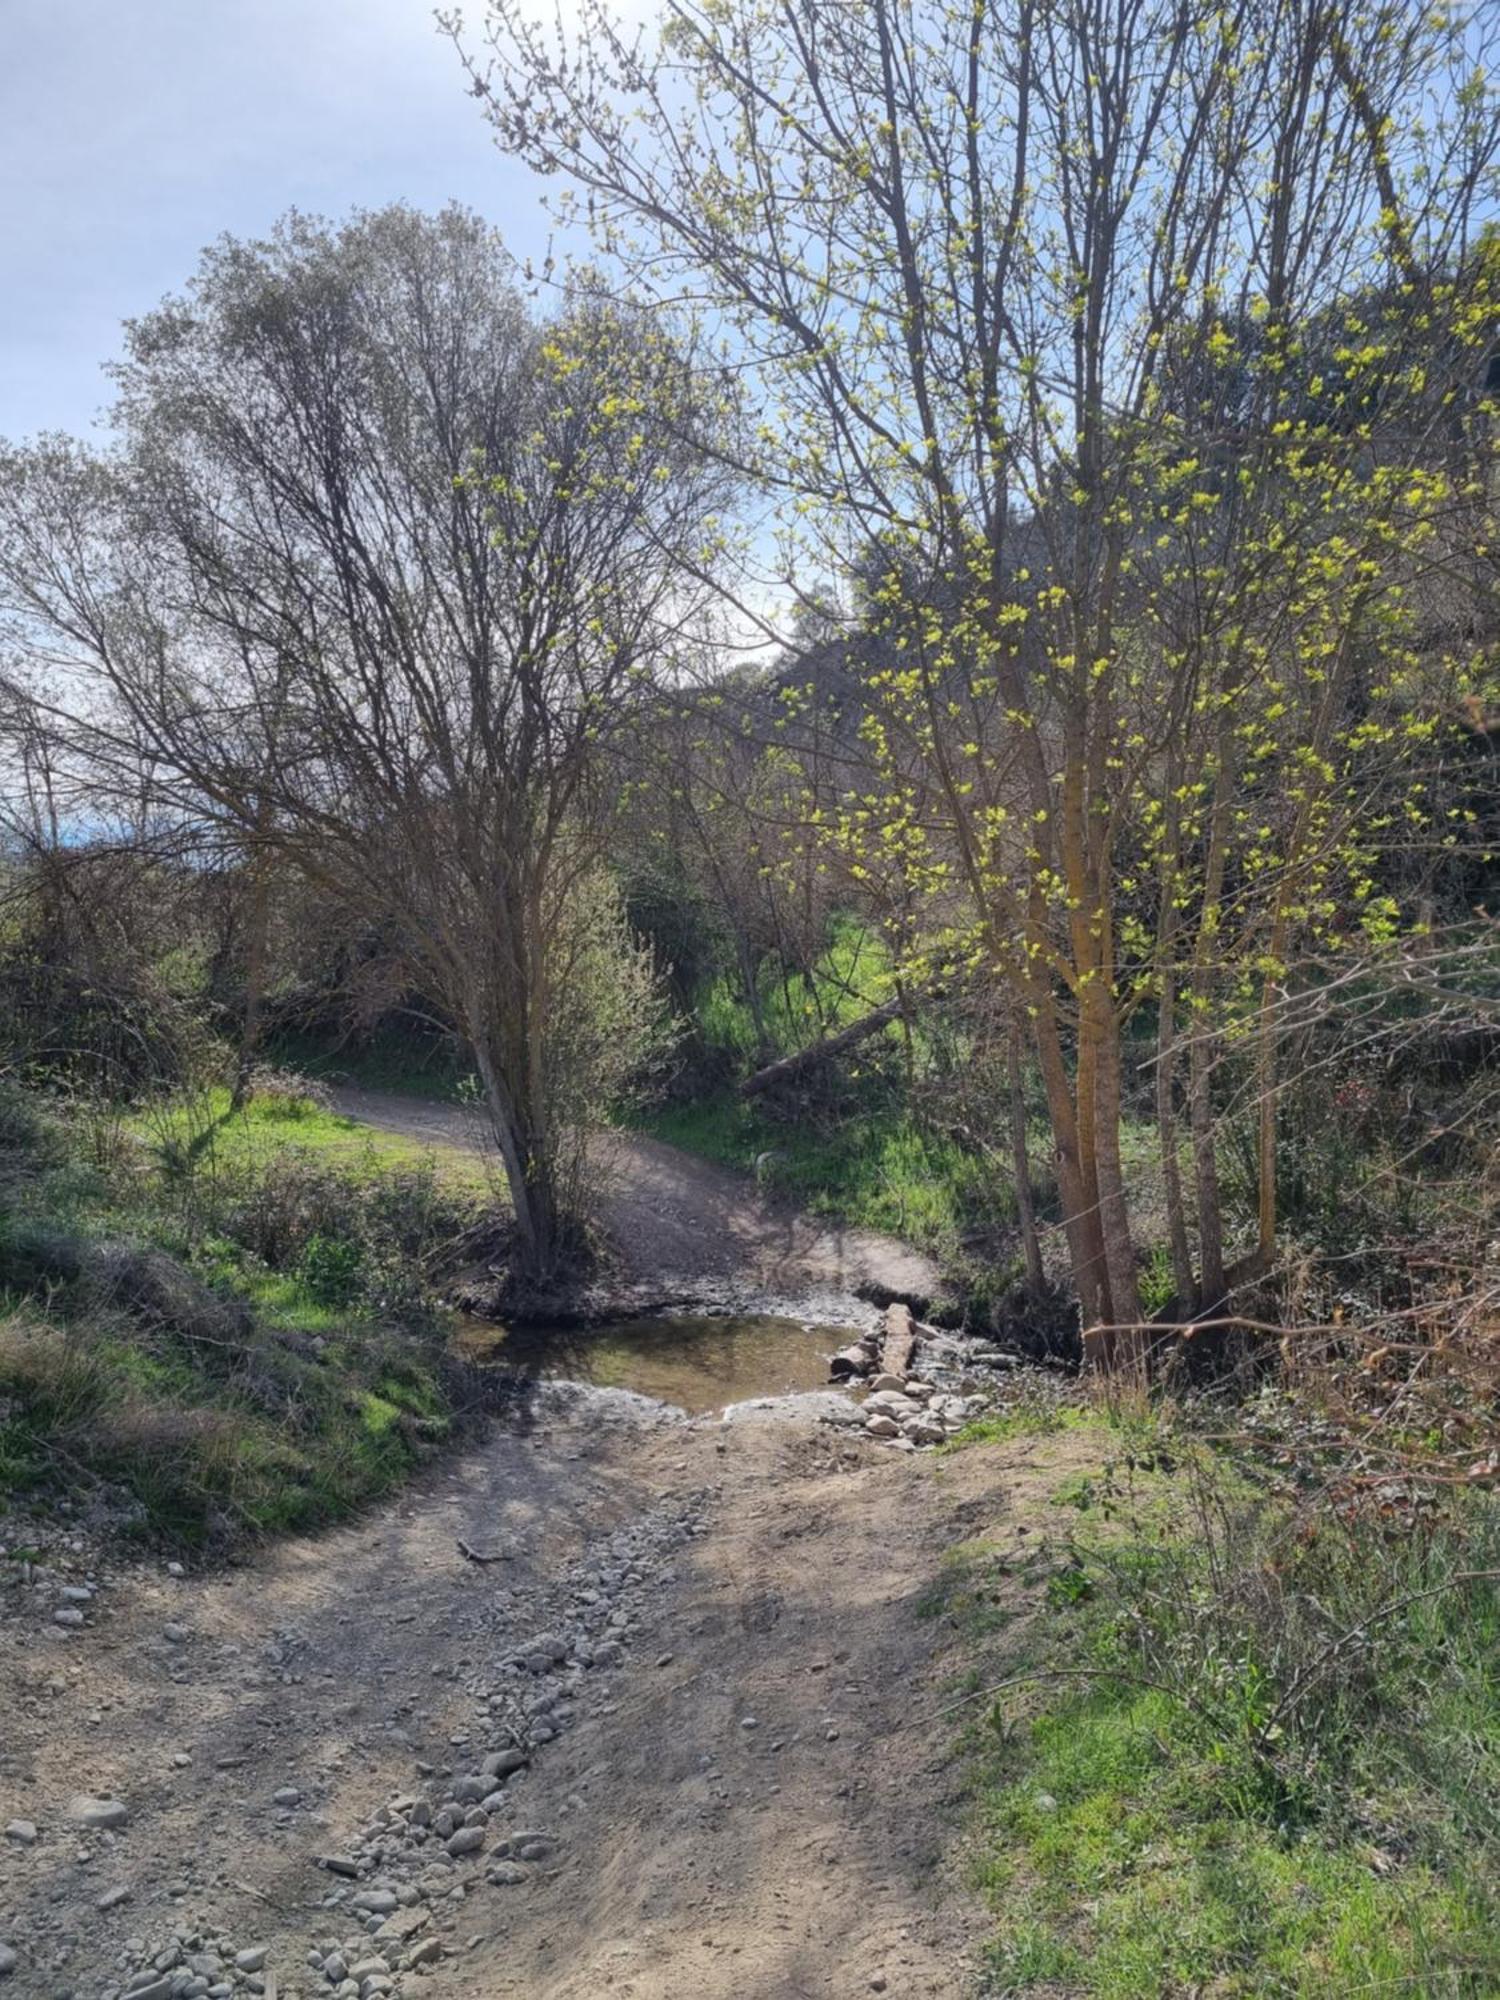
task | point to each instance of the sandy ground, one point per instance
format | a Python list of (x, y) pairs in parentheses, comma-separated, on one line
[(755, 1799)]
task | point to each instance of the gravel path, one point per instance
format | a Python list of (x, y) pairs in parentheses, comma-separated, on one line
[(697, 1645)]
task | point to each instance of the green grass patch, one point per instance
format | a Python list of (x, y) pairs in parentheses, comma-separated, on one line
[(201, 1134), (873, 1168), (1237, 1752), (237, 1336)]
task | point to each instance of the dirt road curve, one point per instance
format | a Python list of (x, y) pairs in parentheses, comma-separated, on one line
[(706, 1637), (672, 1216)]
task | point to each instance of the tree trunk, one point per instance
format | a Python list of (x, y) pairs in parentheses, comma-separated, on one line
[(1166, 1126), (1080, 1209), (820, 1052), (528, 1175), (1205, 1163), (1031, 1247), (257, 923)]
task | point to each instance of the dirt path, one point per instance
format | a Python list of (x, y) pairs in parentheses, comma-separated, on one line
[(766, 1574), (703, 1644), (675, 1217)]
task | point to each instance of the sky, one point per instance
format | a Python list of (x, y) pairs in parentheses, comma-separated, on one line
[(134, 132)]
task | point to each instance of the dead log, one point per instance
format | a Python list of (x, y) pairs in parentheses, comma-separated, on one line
[(789, 1067), (848, 1362), (900, 1341)]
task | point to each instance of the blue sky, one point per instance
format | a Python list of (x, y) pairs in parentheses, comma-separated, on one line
[(133, 132)]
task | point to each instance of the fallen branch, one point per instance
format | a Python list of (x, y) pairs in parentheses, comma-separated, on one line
[(788, 1067)]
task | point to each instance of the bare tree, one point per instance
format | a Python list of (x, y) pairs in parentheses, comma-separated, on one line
[(378, 568)]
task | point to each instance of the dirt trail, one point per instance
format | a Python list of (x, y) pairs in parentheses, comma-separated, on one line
[(675, 1217), (737, 1782)]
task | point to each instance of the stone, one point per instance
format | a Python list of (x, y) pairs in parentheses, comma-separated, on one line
[(340, 1864), (501, 1763), (112, 1898), (22, 1832), (250, 1961), (467, 1840), (425, 1952), (175, 1635), (100, 1814), (507, 1874), (925, 1430), (334, 1967), (375, 1902), (70, 1618), (287, 1797), (403, 1925), (881, 1426), (888, 1385), (8, 1960)]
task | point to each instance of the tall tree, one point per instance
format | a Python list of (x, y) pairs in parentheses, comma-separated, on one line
[(969, 253), (379, 566)]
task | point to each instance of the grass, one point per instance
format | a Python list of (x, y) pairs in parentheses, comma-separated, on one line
[(874, 1168), (205, 1131), (1160, 1813), (227, 1323)]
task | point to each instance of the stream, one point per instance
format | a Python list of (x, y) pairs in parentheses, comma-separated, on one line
[(698, 1362)]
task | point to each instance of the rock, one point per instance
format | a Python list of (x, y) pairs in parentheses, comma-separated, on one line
[(98, 1813), (881, 1426), (22, 1832), (468, 1791), (250, 1961), (506, 1874), (374, 1903), (339, 1864), (8, 1960), (69, 1617), (159, 1989), (925, 1430), (922, 1391), (467, 1840), (334, 1967), (888, 1385), (500, 1763), (77, 1593), (287, 1797), (425, 1952), (112, 1898), (175, 1635), (403, 1925)]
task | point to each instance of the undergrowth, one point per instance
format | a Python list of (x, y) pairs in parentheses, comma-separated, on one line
[(1250, 1750), (225, 1336)]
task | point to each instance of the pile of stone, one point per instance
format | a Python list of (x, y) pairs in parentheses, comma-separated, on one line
[(912, 1412), (905, 1407), (196, 1965)]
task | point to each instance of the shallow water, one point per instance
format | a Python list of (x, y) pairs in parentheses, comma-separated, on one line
[(699, 1362)]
